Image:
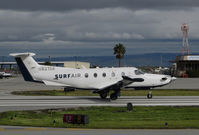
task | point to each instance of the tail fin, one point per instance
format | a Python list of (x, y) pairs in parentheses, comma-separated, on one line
[(27, 65)]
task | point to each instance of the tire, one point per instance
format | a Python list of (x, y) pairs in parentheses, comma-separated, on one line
[(149, 96), (103, 95), (113, 96)]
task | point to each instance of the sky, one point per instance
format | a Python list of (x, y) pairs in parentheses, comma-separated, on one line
[(93, 27)]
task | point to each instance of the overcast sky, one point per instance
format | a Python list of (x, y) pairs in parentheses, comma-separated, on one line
[(93, 27)]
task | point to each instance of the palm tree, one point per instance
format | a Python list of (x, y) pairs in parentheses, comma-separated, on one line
[(119, 51)]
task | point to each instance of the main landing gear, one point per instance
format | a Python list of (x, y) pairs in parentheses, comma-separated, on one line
[(103, 95), (113, 96)]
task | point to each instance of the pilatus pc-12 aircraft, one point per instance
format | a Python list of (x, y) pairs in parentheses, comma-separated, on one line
[(100, 80)]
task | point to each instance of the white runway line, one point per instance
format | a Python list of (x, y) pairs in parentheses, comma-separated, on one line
[(21, 102)]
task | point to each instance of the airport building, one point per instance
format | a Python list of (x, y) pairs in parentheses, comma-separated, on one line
[(76, 64), (69, 64), (186, 66)]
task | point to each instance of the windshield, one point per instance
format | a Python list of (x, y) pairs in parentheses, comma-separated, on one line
[(139, 72)]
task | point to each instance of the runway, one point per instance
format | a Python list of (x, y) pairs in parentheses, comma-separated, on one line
[(8, 103), (18, 84), (7, 130)]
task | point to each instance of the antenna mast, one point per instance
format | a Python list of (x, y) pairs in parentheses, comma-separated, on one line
[(185, 41)]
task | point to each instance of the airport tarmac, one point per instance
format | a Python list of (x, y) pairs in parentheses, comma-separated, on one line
[(8, 130), (18, 84), (11, 102)]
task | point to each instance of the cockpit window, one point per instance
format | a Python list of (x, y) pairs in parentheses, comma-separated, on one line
[(139, 72), (113, 74), (123, 74)]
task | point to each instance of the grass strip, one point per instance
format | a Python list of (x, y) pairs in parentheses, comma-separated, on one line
[(109, 117)]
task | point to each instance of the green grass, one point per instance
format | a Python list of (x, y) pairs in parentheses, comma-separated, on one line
[(156, 92), (110, 117)]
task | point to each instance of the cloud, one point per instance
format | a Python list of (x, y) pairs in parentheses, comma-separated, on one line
[(79, 26), (100, 25), (66, 5)]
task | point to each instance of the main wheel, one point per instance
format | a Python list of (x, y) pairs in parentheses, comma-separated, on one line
[(113, 96), (149, 96), (103, 95)]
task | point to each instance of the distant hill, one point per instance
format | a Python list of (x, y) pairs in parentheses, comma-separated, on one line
[(152, 59)]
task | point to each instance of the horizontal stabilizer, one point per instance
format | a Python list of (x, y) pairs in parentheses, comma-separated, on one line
[(53, 83), (22, 54)]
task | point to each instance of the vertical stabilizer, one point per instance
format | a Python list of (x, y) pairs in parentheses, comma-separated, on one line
[(27, 65)]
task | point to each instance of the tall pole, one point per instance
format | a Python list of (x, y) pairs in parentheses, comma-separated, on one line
[(185, 41), (49, 60), (2, 62)]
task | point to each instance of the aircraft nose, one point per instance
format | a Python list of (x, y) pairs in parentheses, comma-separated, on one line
[(167, 79), (173, 78)]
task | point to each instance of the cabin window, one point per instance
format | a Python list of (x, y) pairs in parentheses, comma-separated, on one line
[(95, 75), (86, 75), (138, 72), (123, 74), (104, 74), (113, 74), (78, 75)]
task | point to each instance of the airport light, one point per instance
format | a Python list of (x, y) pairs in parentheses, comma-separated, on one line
[(129, 107)]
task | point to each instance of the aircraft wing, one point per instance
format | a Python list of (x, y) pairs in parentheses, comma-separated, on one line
[(126, 80)]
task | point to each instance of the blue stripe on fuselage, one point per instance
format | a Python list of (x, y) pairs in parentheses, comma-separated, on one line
[(26, 74)]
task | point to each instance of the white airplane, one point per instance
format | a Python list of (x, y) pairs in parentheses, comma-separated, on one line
[(100, 80), (4, 74)]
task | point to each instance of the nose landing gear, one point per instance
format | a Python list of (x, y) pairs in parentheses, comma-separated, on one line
[(149, 95)]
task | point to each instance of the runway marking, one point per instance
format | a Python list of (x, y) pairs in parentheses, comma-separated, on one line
[(35, 128), (85, 105), (40, 129), (18, 103)]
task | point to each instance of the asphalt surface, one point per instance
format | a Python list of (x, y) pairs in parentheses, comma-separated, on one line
[(18, 84), (7, 85), (10, 102), (5, 130)]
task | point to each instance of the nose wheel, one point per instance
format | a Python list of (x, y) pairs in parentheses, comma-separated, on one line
[(149, 95)]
